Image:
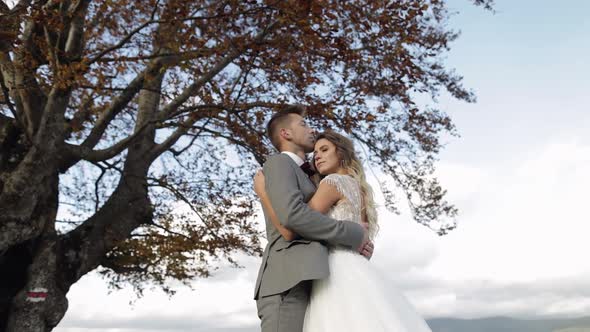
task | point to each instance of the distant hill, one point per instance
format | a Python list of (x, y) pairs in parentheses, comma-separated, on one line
[(506, 324)]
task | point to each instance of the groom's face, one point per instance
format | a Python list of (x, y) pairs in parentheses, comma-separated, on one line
[(301, 134)]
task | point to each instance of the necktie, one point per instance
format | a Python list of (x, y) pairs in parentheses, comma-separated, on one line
[(306, 168)]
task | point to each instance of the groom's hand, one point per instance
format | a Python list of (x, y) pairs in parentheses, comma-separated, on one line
[(366, 248)]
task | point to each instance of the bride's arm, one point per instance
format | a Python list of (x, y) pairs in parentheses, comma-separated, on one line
[(286, 233), (324, 198), (261, 192)]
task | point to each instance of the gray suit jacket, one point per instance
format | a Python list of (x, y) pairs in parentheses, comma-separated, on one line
[(284, 263)]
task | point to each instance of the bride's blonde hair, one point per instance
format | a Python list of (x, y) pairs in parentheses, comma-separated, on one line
[(351, 163)]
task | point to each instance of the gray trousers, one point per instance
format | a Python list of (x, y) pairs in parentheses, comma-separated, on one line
[(284, 312)]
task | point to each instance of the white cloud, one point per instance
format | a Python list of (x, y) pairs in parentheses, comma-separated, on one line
[(519, 249)]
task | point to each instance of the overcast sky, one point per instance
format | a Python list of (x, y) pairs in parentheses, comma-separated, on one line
[(518, 173)]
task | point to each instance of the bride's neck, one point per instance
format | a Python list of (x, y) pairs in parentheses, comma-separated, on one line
[(341, 171)]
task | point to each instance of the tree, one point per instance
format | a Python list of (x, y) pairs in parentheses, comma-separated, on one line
[(142, 122)]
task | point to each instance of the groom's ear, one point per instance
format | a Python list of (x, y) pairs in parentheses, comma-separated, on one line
[(285, 133)]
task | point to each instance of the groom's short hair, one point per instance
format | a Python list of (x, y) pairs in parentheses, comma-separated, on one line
[(280, 120)]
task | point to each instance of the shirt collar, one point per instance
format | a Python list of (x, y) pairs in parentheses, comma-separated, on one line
[(295, 157)]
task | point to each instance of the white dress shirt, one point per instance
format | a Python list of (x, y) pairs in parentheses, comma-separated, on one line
[(295, 157)]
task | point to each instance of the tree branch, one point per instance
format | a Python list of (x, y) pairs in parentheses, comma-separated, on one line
[(178, 194), (74, 45), (189, 91), (225, 61), (21, 6), (185, 126), (22, 83), (103, 171), (169, 142), (259, 158), (117, 106), (6, 95), (234, 109), (167, 230), (74, 153), (9, 23), (126, 38), (79, 117), (180, 55), (176, 153)]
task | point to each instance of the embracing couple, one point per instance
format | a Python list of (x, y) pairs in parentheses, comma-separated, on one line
[(315, 273)]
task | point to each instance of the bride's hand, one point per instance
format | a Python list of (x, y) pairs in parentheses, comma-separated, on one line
[(259, 183)]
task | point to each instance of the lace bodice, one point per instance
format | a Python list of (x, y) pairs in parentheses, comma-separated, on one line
[(350, 207)]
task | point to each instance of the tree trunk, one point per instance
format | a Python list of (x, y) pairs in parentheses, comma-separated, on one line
[(33, 297)]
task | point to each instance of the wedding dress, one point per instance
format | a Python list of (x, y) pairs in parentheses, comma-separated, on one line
[(355, 297)]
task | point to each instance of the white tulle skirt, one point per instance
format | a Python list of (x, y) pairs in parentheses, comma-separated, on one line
[(357, 298)]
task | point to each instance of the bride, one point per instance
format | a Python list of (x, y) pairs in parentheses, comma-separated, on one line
[(354, 297)]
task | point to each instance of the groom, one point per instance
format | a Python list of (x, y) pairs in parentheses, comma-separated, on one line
[(284, 279)]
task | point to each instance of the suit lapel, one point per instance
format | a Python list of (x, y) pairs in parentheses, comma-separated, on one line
[(306, 186)]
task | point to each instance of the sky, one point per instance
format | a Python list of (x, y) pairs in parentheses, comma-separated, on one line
[(518, 174)]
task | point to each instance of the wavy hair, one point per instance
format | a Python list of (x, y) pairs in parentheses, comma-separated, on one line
[(350, 162)]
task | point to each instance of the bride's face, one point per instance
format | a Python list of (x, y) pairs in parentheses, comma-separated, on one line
[(326, 158)]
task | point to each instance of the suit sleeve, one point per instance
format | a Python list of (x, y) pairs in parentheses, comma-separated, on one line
[(287, 200)]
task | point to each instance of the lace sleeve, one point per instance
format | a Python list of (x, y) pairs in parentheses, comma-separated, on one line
[(349, 207), (337, 181)]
